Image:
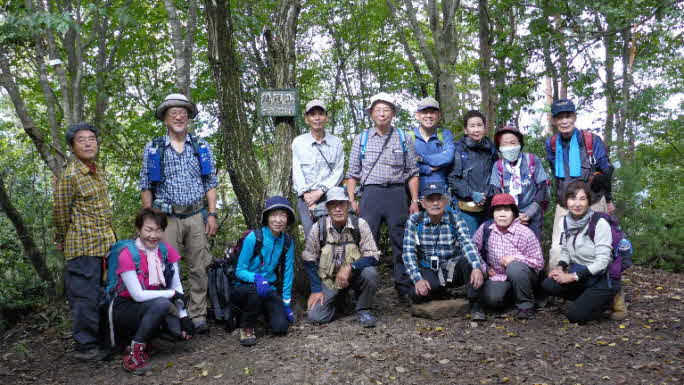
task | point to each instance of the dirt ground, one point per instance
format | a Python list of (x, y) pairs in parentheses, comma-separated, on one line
[(646, 348)]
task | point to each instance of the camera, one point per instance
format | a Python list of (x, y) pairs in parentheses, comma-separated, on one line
[(434, 263)]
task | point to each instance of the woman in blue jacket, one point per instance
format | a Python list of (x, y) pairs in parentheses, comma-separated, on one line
[(257, 273)]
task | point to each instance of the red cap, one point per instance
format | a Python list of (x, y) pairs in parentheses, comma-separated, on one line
[(504, 200)]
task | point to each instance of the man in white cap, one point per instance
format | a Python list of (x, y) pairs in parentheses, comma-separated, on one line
[(317, 164), (178, 177), (383, 162), (340, 253)]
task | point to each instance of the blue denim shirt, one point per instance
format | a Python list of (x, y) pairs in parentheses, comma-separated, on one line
[(434, 153)]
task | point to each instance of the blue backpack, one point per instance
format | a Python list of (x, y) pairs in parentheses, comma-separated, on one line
[(112, 260), (364, 141), (155, 159)]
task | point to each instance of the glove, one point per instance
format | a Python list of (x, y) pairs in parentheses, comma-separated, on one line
[(289, 313), (477, 196), (262, 286), (178, 296), (187, 325)]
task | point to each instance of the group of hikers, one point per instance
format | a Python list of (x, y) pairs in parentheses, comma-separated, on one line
[(462, 211)]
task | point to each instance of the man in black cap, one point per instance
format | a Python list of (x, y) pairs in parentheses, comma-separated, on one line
[(576, 154), (178, 177)]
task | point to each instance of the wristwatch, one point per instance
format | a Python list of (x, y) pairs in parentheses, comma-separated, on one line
[(415, 200), (213, 214)]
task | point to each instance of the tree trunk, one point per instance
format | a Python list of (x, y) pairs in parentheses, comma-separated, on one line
[(182, 43), (485, 65), (241, 163), (422, 85), (30, 248), (609, 43), (281, 51)]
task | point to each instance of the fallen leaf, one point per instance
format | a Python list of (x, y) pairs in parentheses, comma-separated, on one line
[(201, 365), (579, 365), (473, 324), (611, 344), (439, 329), (621, 326), (505, 379), (659, 288), (205, 373), (399, 369), (218, 376), (444, 361), (169, 365), (247, 371)]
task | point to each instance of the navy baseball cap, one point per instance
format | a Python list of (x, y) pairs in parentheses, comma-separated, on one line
[(433, 188), (562, 105)]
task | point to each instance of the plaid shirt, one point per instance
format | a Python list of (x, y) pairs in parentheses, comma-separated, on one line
[(83, 212), (394, 166), (517, 241), (312, 250), (446, 240), (184, 184)]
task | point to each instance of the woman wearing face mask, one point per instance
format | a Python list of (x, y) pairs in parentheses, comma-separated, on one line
[(149, 295), (522, 175)]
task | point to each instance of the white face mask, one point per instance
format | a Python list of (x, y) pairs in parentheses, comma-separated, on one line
[(510, 153)]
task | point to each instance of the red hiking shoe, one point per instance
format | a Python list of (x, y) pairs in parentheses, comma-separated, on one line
[(137, 360)]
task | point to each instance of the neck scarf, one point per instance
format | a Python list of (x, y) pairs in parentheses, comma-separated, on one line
[(573, 157), (574, 226), (154, 265), (515, 183)]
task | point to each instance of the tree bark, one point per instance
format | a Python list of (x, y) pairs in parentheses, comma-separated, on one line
[(241, 163), (485, 64), (182, 43), (422, 84), (30, 248)]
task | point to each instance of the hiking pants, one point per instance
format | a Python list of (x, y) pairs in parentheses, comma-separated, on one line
[(363, 283), (304, 216), (461, 277), (555, 251), (251, 306), (521, 279), (84, 291), (141, 320), (589, 297), (390, 204), (187, 236)]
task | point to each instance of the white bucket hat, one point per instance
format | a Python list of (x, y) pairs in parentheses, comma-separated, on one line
[(382, 97)]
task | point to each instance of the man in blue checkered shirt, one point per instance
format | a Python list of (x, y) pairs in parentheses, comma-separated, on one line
[(178, 177), (439, 253)]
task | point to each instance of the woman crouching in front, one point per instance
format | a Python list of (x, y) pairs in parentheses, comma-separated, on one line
[(260, 271), (581, 272), (149, 294)]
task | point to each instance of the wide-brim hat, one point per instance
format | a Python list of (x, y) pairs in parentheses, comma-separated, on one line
[(176, 100), (510, 130), (382, 97), (505, 200), (277, 203)]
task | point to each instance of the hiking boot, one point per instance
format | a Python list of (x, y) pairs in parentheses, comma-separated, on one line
[(476, 312), (525, 313), (137, 360), (366, 319), (91, 354), (201, 327), (247, 337), (619, 306)]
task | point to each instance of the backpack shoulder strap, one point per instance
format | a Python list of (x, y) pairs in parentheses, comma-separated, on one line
[(591, 227), (195, 144), (259, 242), (588, 142), (440, 134), (500, 168), (554, 139), (364, 142), (356, 231), (402, 139), (486, 232), (135, 253), (322, 231), (412, 133), (164, 248), (531, 165)]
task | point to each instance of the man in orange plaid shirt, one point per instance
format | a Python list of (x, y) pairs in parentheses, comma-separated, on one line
[(83, 232)]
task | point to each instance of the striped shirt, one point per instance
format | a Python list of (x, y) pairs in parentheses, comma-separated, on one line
[(312, 161), (394, 166), (183, 184), (517, 241), (446, 240), (83, 212)]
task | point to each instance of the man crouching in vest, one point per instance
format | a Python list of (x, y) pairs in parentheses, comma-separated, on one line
[(439, 253), (340, 253), (178, 177)]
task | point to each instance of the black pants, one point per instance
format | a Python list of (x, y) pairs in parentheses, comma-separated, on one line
[(84, 291), (388, 204), (589, 297), (251, 306), (461, 277), (141, 321), (521, 281)]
